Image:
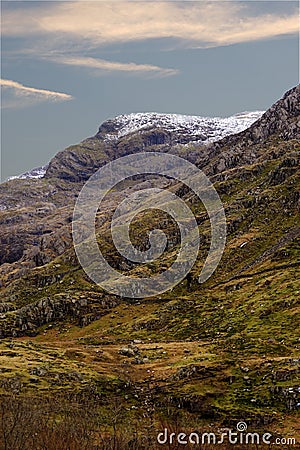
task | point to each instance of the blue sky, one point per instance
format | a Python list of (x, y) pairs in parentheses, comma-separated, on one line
[(67, 66)]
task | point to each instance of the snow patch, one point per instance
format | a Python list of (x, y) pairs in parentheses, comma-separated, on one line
[(201, 129), (37, 172)]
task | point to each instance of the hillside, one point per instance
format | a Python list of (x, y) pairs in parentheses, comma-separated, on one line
[(201, 355)]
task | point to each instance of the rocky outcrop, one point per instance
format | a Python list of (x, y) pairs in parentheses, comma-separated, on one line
[(282, 119), (31, 237), (82, 310), (280, 122)]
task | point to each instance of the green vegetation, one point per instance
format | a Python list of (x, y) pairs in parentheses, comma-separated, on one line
[(111, 372)]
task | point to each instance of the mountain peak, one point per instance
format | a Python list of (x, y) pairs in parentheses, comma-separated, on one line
[(281, 119), (283, 116), (189, 128)]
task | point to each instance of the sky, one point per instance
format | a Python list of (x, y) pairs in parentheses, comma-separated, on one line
[(68, 66)]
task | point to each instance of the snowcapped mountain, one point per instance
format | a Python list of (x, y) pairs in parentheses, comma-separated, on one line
[(184, 129), (196, 128)]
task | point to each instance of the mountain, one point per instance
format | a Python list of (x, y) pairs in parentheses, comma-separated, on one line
[(132, 133), (184, 128), (221, 352), (181, 128)]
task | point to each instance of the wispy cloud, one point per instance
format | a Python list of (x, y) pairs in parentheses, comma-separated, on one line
[(72, 29), (20, 95), (200, 23), (103, 65)]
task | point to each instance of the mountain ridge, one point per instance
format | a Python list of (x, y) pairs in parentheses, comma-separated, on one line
[(222, 351), (188, 128), (197, 128)]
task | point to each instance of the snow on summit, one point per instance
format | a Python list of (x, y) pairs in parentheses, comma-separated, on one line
[(202, 129), (184, 128)]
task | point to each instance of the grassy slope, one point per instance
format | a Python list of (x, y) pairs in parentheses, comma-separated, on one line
[(223, 352)]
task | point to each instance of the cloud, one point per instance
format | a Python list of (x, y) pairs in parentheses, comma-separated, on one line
[(67, 30), (20, 95), (109, 66), (201, 23)]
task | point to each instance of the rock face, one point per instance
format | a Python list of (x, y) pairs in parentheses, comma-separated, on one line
[(281, 122), (282, 119), (28, 318), (36, 214)]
